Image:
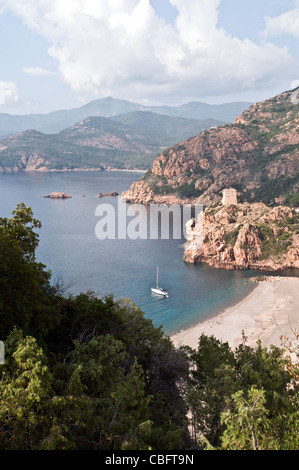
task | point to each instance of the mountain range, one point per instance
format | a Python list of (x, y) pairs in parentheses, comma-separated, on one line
[(129, 141), (258, 155), (56, 121), (105, 133)]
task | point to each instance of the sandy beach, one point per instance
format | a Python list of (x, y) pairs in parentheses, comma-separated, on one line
[(128, 171), (269, 311)]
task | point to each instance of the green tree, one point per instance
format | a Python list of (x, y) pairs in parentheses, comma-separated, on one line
[(218, 373), (117, 412), (25, 392), (294, 200), (24, 283), (250, 426), (212, 380), (32, 415), (246, 421)]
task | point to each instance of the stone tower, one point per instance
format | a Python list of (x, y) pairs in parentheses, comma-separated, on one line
[(229, 197)]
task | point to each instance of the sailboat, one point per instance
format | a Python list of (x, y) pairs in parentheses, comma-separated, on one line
[(158, 290)]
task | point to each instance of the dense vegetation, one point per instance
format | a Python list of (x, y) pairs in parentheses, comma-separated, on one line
[(59, 151), (87, 373)]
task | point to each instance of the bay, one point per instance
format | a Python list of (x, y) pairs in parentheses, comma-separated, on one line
[(70, 249)]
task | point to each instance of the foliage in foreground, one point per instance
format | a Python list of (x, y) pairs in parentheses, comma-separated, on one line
[(89, 373), (243, 399)]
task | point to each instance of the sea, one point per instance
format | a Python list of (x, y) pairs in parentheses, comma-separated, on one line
[(81, 260)]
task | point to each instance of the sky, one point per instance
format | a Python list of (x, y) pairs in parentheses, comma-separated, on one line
[(61, 54)]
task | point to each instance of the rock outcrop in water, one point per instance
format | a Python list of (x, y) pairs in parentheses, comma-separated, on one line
[(58, 196), (111, 194), (245, 236)]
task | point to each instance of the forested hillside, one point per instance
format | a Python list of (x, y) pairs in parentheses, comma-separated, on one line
[(129, 141)]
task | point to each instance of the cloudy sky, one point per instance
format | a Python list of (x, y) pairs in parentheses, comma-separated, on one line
[(64, 53)]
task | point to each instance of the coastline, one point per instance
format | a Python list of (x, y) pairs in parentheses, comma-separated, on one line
[(132, 171), (69, 170), (268, 312)]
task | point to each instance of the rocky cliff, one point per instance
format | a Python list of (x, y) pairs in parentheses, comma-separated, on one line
[(258, 155), (245, 236)]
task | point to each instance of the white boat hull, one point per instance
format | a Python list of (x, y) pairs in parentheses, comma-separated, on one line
[(160, 292)]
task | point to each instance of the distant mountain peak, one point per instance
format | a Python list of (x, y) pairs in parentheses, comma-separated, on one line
[(130, 140), (107, 107)]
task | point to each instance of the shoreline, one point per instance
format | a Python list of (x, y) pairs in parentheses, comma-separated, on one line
[(70, 170), (266, 313), (131, 171)]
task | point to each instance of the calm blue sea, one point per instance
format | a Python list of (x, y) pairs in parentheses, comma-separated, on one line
[(126, 268)]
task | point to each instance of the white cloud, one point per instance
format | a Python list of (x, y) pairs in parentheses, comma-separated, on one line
[(8, 93), (286, 23), (122, 48), (37, 71)]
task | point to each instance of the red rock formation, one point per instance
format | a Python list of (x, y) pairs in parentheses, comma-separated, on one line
[(260, 147), (258, 238), (248, 247)]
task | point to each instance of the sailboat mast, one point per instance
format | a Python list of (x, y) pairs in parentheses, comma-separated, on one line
[(157, 278)]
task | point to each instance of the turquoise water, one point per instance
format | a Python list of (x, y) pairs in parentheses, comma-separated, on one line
[(126, 268)]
